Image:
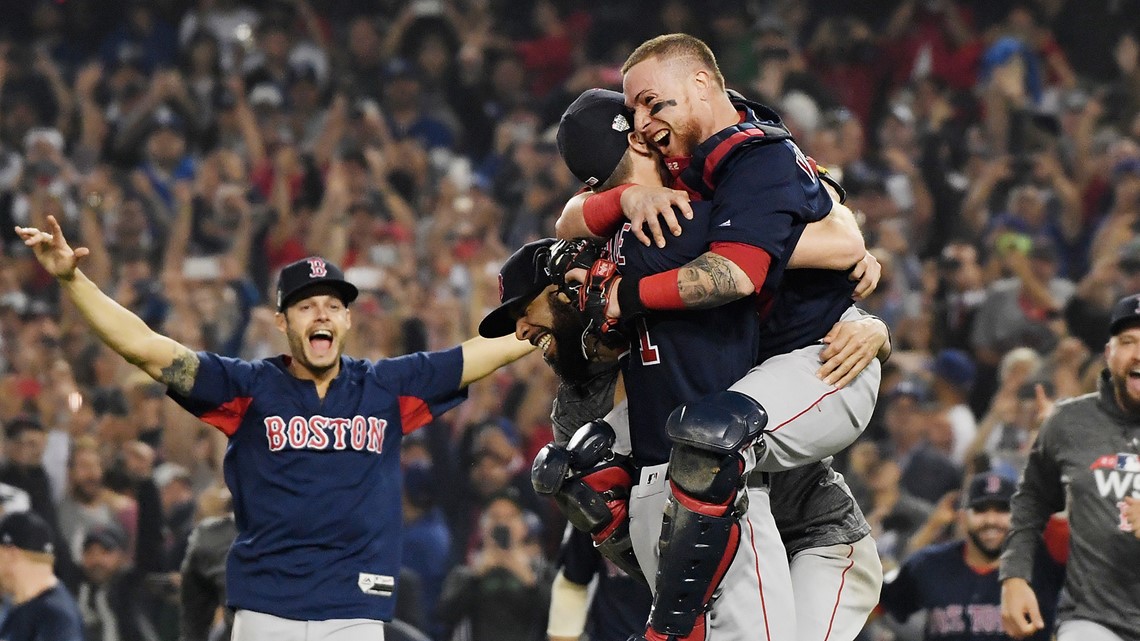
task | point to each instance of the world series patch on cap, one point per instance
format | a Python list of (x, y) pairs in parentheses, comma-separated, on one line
[(307, 272), (593, 135)]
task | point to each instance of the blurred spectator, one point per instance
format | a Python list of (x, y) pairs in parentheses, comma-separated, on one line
[(89, 504), (953, 373), (203, 573), (504, 590), (1022, 308), (109, 596), (924, 472), (23, 469), (1087, 312), (142, 28), (427, 540)]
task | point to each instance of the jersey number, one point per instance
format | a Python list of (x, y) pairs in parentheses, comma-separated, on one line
[(650, 355)]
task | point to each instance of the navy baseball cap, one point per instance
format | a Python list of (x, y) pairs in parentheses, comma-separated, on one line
[(108, 537), (307, 272), (955, 367), (522, 277), (990, 488), (26, 531), (592, 136), (1125, 314)]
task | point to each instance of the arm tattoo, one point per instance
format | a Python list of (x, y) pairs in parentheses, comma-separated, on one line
[(707, 282), (180, 374)]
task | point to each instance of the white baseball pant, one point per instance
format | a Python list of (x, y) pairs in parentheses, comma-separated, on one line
[(808, 420)]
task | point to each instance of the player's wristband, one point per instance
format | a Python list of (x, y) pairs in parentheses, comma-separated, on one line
[(602, 212), (659, 291)]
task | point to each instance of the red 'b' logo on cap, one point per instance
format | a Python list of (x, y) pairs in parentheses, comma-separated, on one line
[(501, 290), (317, 268), (993, 484)]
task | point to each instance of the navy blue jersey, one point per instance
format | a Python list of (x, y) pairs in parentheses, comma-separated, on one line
[(963, 604), (50, 616), (764, 191), (678, 357), (619, 604), (316, 483)]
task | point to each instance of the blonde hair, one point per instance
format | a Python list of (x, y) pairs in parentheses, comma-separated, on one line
[(673, 46)]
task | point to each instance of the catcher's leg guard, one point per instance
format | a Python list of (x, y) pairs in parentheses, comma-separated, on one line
[(700, 528)]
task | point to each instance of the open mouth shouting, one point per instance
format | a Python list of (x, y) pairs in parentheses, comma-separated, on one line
[(321, 342)]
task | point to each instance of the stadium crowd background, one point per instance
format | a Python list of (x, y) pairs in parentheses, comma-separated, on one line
[(196, 146)]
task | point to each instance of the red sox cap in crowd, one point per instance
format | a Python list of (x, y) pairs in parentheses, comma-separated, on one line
[(308, 272), (990, 488)]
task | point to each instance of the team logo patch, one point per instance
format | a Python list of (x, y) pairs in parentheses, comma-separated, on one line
[(1123, 462), (501, 289), (376, 584), (620, 124), (318, 268)]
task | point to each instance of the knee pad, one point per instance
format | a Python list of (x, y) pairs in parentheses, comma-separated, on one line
[(709, 435), (722, 423)]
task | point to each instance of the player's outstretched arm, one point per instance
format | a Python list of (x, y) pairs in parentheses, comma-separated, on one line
[(165, 360), (481, 356)]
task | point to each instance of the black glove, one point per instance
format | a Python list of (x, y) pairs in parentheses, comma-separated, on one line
[(566, 255)]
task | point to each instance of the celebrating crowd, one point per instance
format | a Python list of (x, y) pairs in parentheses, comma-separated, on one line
[(201, 152)]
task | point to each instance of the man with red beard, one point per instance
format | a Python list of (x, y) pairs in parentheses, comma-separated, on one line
[(1087, 460), (955, 582), (313, 460)]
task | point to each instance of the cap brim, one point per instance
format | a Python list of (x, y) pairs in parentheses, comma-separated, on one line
[(499, 322), (346, 290)]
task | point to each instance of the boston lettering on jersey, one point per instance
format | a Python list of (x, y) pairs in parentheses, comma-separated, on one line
[(360, 433), (316, 481)]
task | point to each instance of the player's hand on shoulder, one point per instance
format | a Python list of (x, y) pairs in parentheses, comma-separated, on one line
[(650, 206), (867, 272), (51, 249)]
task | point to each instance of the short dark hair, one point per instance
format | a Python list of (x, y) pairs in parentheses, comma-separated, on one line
[(675, 46)]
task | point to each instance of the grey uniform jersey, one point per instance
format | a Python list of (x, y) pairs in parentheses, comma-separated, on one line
[(576, 405), (1086, 456), (813, 507)]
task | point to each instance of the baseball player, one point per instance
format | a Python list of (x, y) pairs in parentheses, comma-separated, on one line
[(825, 534), (732, 157), (1086, 458), (314, 442), (956, 583)]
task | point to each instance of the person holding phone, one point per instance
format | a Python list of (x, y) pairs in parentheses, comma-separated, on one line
[(503, 592)]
